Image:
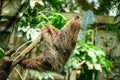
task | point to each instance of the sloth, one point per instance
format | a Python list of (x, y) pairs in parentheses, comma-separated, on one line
[(59, 45)]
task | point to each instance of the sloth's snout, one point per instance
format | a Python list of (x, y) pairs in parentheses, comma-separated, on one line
[(76, 17)]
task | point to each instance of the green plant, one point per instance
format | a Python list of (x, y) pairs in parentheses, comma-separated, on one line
[(91, 58), (34, 19), (42, 76)]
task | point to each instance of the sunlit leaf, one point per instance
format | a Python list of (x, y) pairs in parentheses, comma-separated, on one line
[(90, 65), (100, 54), (98, 67), (34, 33), (76, 51), (32, 3), (51, 76), (92, 55), (40, 2)]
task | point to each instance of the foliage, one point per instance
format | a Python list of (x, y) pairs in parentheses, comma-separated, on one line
[(88, 57), (34, 19), (62, 5), (2, 53), (117, 6), (42, 76), (57, 20)]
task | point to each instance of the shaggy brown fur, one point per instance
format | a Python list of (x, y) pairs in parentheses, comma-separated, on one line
[(59, 46)]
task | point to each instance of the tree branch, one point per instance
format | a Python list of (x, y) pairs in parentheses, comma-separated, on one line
[(18, 73), (25, 51)]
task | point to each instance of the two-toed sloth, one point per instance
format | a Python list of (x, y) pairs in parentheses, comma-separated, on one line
[(59, 45)]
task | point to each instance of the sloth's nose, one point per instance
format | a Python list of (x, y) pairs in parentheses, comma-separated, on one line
[(76, 17)]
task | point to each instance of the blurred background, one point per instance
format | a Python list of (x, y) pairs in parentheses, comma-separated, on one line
[(97, 53)]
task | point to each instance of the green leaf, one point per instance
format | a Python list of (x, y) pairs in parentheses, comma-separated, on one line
[(98, 67), (100, 54), (57, 20), (2, 53), (107, 65), (90, 65), (92, 55), (76, 51), (32, 3)]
